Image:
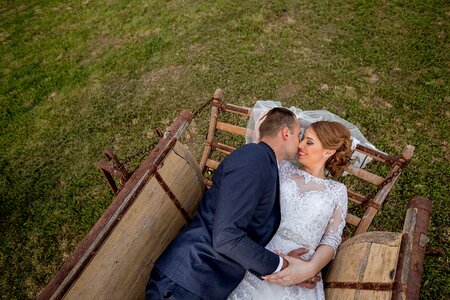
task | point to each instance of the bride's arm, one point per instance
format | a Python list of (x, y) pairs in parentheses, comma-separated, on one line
[(333, 234), (299, 270), (323, 255)]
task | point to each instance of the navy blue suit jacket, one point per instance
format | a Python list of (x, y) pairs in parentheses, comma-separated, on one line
[(236, 218)]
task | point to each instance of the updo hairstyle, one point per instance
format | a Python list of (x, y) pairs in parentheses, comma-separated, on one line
[(334, 136)]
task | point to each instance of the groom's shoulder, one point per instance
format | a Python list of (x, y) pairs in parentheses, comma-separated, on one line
[(250, 155), (252, 151)]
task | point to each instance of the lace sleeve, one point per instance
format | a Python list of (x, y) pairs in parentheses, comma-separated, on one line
[(333, 232)]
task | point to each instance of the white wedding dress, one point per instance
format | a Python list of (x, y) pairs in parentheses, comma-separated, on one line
[(313, 212)]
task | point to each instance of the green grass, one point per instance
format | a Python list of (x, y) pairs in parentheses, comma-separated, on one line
[(80, 76)]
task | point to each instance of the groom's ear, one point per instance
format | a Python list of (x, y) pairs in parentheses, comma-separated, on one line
[(285, 132)]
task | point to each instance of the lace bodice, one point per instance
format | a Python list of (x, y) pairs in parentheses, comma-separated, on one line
[(313, 213)]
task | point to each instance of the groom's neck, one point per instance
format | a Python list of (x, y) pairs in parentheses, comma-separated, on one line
[(276, 145)]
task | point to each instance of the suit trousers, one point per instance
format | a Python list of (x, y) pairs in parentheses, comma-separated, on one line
[(160, 286)]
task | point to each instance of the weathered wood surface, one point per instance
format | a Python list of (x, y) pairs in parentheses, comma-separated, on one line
[(209, 139), (410, 267), (231, 128), (370, 260), (121, 267)]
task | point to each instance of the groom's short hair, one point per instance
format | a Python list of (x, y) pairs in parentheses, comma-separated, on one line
[(276, 119)]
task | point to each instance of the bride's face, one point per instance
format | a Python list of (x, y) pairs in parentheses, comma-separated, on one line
[(310, 150)]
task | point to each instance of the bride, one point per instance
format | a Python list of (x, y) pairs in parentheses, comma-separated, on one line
[(313, 210)]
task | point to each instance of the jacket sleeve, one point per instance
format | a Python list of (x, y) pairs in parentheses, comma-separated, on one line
[(242, 187)]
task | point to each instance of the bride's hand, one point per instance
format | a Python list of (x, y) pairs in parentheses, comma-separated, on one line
[(297, 271), (309, 283)]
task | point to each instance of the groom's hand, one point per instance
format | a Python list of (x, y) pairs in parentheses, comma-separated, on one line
[(294, 253), (309, 283), (297, 271), (285, 277), (298, 252)]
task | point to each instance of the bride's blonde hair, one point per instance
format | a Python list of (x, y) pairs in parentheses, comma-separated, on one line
[(334, 136)]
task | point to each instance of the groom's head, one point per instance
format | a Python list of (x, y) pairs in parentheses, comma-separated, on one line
[(282, 128), (276, 119)]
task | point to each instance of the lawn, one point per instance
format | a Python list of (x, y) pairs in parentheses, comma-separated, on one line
[(80, 76)]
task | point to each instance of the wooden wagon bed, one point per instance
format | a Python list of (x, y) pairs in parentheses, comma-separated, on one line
[(153, 203)]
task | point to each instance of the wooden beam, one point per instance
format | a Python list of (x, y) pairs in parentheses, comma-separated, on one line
[(352, 219), (212, 164), (223, 148), (365, 175), (356, 197), (231, 128)]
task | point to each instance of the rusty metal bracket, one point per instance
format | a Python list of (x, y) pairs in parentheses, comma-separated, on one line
[(113, 168), (219, 103), (172, 197), (369, 203)]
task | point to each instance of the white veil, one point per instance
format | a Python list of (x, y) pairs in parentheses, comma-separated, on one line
[(307, 117)]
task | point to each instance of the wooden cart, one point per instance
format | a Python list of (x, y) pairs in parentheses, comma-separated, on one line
[(154, 202)]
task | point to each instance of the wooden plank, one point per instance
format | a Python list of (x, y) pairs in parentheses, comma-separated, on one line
[(351, 294), (376, 154), (381, 263), (231, 128), (392, 239), (363, 258), (176, 178), (356, 197), (348, 263), (126, 257), (374, 295), (224, 148), (212, 164), (366, 220), (338, 294), (352, 219), (365, 175), (353, 251), (244, 111)]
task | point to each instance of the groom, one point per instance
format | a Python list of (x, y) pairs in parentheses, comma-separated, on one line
[(236, 218)]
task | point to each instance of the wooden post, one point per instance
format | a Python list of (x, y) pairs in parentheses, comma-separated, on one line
[(218, 95), (412, 251)]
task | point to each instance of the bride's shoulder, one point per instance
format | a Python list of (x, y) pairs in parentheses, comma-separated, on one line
[(339, 187)]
